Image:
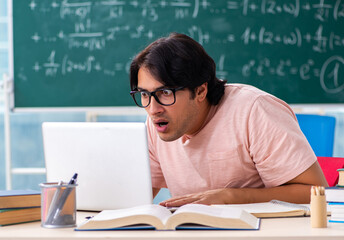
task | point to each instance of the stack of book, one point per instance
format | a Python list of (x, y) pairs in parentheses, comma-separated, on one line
[(19, 206), (335, 199)]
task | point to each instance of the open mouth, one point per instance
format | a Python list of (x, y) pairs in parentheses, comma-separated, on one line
[(161, 124)]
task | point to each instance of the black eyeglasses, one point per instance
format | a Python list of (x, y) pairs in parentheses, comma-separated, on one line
[(165, 96)]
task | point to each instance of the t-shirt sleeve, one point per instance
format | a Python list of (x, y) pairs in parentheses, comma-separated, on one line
[(158, 180), (278, 147)]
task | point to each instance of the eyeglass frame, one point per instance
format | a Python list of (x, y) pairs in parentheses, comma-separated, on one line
[(150, 94)]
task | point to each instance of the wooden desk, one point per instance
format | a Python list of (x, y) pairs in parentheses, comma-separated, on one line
[(288, 228)]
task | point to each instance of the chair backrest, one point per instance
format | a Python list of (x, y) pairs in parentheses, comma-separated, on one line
[(319, 131)]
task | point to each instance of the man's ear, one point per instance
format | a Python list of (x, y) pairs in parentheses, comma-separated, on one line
[(201, 91)]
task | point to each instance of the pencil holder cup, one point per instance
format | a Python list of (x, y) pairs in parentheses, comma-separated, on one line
[(58, 205), (318, 211)]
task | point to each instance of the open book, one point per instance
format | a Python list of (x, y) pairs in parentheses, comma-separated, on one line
[(274, 208), (191, 216)]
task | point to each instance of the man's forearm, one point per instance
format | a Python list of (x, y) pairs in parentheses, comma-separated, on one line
[(296, 193)]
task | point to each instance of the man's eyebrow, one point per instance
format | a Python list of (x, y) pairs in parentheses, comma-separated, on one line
[(159, 88)]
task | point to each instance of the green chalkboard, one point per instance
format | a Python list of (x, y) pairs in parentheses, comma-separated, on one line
[(70, 53)]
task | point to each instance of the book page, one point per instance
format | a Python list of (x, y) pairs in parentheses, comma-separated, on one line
[(153, 210), (260, 207), (211, 217), (209, 210)]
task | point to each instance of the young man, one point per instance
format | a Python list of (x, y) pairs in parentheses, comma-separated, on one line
[(211, 142)]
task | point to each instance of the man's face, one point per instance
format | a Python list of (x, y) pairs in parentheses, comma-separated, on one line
[(171, 122)]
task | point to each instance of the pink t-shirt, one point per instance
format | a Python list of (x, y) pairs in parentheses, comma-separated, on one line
[(250, 139)]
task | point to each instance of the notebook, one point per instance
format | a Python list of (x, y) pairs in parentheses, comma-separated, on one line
[(111, 160), (273, 209)]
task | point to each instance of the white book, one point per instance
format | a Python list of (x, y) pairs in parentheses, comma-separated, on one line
[(190, 216), (334, 194)]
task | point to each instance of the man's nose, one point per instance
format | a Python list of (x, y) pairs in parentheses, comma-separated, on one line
[(154, 107)]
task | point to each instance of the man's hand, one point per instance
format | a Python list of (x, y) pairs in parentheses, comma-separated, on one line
[(217, 196)]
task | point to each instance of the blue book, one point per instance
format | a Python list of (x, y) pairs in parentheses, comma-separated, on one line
[(337, 212), (336, 221), (187, 217), (336, 203), (20, 199)]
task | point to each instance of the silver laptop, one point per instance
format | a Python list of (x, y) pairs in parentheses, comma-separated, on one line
[(111, 160)]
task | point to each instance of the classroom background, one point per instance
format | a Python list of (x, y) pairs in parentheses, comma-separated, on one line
[(26, 137)]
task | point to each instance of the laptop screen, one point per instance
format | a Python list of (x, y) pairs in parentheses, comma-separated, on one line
[(111, 160)]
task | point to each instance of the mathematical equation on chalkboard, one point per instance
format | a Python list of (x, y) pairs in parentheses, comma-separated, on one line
[(248, 39)]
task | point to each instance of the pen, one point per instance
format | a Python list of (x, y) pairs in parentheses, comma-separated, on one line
[(53, 203), (73, 180), (63, 198)]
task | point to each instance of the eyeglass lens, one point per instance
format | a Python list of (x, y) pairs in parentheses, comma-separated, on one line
[(163, 96)]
